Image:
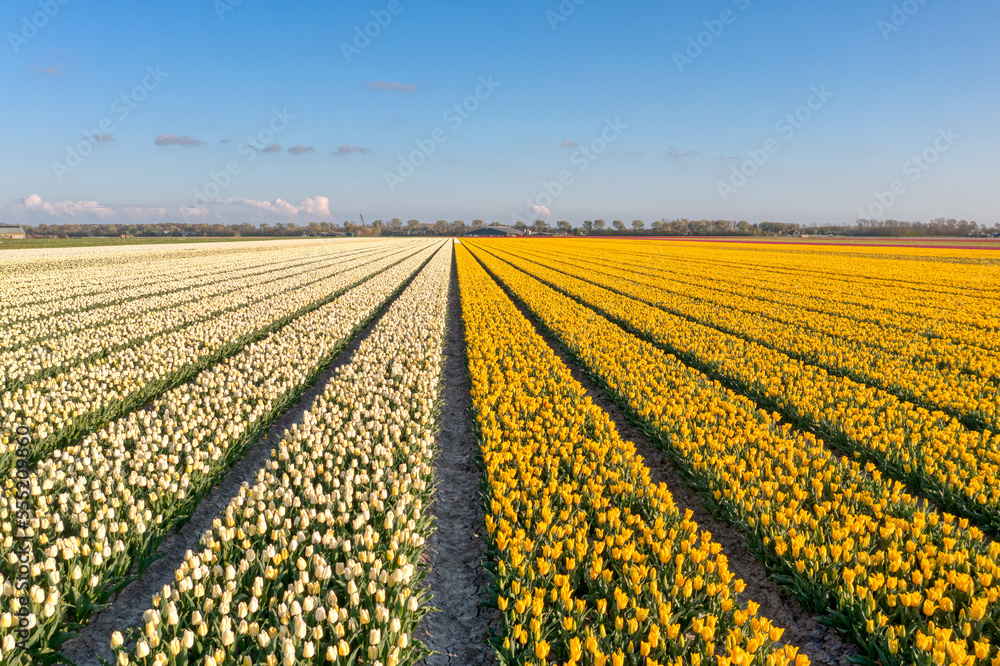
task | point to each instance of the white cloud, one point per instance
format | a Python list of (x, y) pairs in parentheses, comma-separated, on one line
[(318, 206), (67, 210), (277, 207), (540, 212), (569, 144), (35, 210)]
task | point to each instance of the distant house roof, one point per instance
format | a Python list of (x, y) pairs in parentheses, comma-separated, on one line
[(496, 231), (11, 230)]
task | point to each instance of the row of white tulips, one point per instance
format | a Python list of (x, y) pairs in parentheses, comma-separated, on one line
[(85, 396), (91, 281), (46, 320), (112, 274), (136, 321), (316, 561), (103, 506)]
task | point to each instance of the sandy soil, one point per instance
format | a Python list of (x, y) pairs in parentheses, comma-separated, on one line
[(455, 553)]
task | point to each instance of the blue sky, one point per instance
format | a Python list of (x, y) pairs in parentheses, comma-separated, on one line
[(618, 101)]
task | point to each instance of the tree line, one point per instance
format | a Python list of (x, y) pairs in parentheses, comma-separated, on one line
[(598, 227)]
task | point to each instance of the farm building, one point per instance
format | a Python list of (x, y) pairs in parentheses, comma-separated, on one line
[(11, 232), (500, 232)]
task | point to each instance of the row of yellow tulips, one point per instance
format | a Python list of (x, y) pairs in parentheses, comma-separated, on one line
[(930, 451), (594, 563), (317, 561), (937, 317), (911, 585), (926, 367), (925, 284), (101, 507)]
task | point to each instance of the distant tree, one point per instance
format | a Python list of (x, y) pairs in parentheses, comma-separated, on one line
[(478, 223), (413, 226), (862, 227), (680, 227), (638, 225), (564, 226), (519, 225), (699, 227), (441, 227), (540, 226), (618, 225), (599, 225)]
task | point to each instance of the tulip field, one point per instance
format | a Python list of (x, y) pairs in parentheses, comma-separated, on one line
[(834, 409)]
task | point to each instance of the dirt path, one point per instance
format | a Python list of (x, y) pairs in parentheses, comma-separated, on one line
[(455, 552), (94, 640), (822, 644)]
